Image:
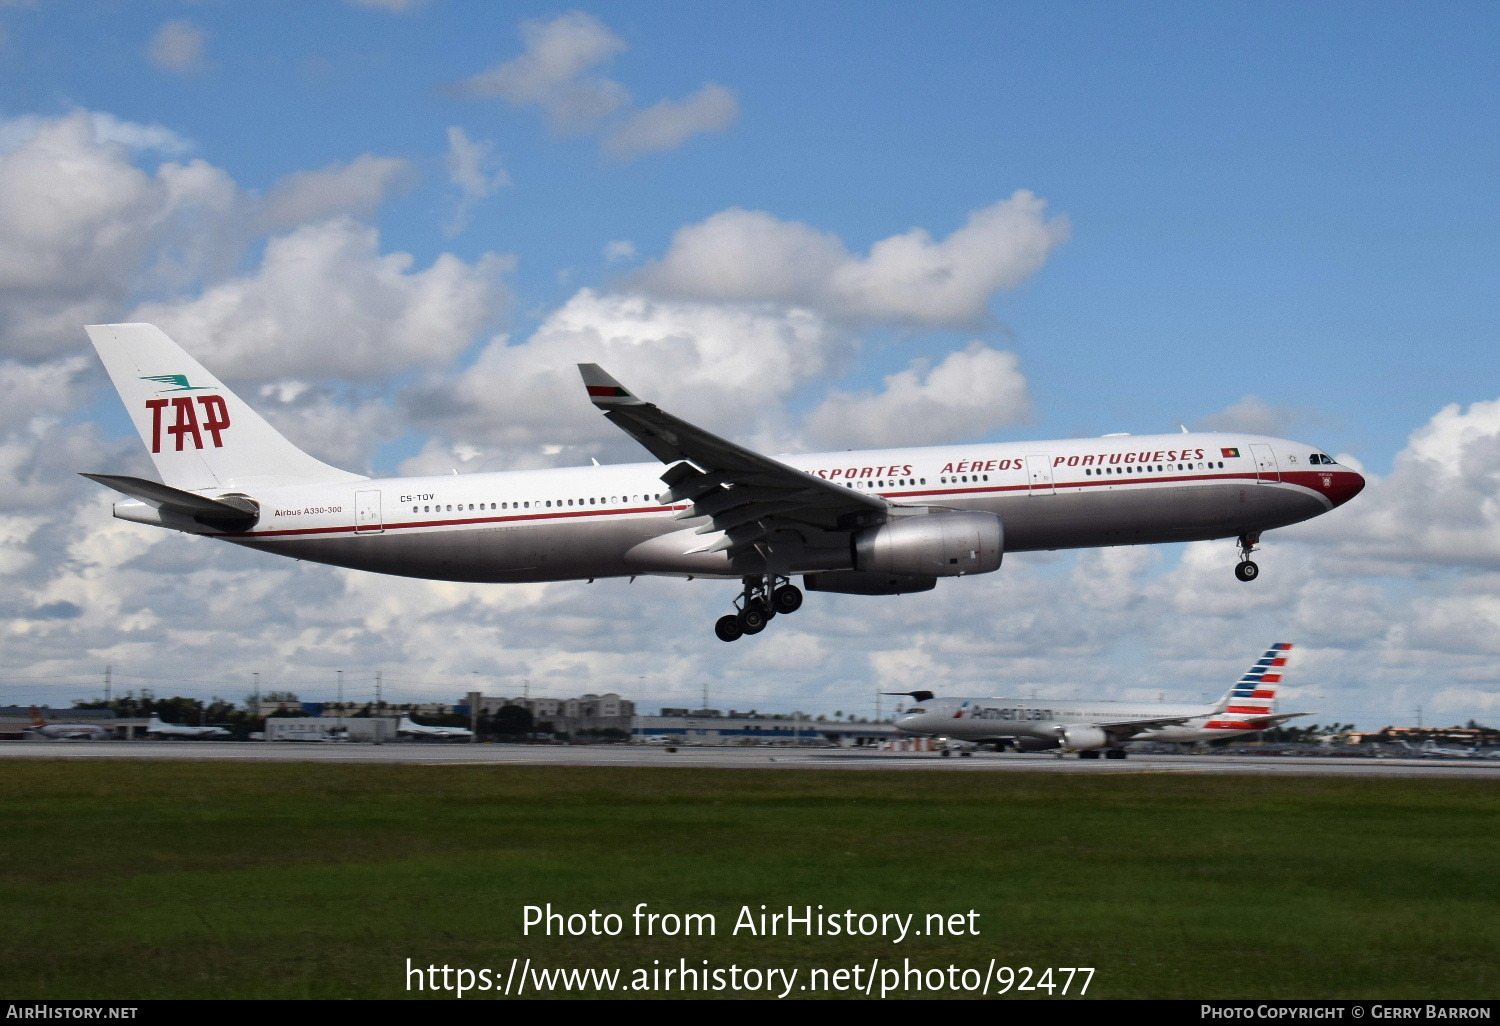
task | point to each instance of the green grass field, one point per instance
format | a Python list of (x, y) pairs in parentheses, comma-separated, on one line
[(150, 879)]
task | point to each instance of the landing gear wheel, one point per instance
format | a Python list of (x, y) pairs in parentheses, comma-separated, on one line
[(1115, 753), (752, 619), (1246, 570), (1091, 754), (728, 628), (787, 598)]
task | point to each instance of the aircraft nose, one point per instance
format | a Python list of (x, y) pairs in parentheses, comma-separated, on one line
[(1346, 484)]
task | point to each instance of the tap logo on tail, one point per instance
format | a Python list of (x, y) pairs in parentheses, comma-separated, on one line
[(186, 423)]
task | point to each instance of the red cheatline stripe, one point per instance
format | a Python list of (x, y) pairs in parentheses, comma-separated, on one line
[(1248, 710), (1271, 678), (890, 493), (1263, 694), (1232, 725), (563, 515), (607, 391)]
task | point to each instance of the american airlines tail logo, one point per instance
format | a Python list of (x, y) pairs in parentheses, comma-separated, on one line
[(186, 423)]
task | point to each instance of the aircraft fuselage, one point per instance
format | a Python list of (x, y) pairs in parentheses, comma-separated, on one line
[(611, 521)]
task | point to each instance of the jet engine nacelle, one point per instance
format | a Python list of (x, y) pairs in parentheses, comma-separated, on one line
[(1083, 739), (1035, 744), (934, 545)]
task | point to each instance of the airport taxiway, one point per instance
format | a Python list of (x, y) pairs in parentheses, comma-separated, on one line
[(459, 754)]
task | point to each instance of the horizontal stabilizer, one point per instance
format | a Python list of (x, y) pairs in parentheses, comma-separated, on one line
[(917, 696), (228, 512)]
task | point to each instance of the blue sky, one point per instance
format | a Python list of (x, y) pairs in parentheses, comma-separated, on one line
[(1272, 216)]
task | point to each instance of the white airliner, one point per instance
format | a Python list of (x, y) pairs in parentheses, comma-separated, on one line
[(878, 522), (159, 730), (66, 731), (411, 728), (1089, 727)]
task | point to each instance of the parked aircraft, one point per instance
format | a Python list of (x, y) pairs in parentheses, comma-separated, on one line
[(1430, 749), (421, 730), (67, 731), (1089, 727), (879, 522), (159, 730)]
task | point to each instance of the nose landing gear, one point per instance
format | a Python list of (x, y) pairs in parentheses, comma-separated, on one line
[(1247, 570), (762, 598)]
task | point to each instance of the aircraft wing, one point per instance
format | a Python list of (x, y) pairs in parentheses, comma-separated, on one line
[(1272, 719), (1129, 728), (1123, 729), (747, 496)]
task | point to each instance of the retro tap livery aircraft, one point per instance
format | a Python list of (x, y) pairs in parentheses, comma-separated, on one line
[(66, 731), (880, 522), (1089, 727)]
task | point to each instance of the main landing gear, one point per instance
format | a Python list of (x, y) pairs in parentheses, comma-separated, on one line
[(762, 599), (1247, 570)]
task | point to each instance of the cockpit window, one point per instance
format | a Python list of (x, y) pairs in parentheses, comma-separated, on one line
[(1318, 459), (916, 712)]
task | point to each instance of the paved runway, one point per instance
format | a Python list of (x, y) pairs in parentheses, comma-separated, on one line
[(455, 754)]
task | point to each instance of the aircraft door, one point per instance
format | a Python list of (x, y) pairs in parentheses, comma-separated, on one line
[(367, 513), (1265, 463), (1039, 475)]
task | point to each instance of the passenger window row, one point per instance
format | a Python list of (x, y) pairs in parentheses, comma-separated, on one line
[(613, 500), (1157, 468), (1316, 458)]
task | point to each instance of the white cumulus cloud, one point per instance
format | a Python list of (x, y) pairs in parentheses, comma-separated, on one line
[(910, 278), (729, 368), (355, 188), (963, 396), (1439, 506), (553, 73), (326, 302), (670, 123)]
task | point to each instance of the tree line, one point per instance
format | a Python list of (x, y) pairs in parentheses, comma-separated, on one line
[(510, 722)]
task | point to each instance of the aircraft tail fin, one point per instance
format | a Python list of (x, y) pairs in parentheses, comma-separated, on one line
[(36, 717), (1254, 694), (199, 433)]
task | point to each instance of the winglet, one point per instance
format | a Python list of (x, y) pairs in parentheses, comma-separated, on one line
[(604, 391)]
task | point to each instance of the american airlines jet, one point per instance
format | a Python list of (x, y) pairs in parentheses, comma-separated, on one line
[(878, 522), (1089, 727)]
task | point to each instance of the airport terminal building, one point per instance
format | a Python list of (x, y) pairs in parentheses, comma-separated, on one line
[(716, 727)]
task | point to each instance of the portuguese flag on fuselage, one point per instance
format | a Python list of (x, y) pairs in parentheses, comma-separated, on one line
[(1229, 454)]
